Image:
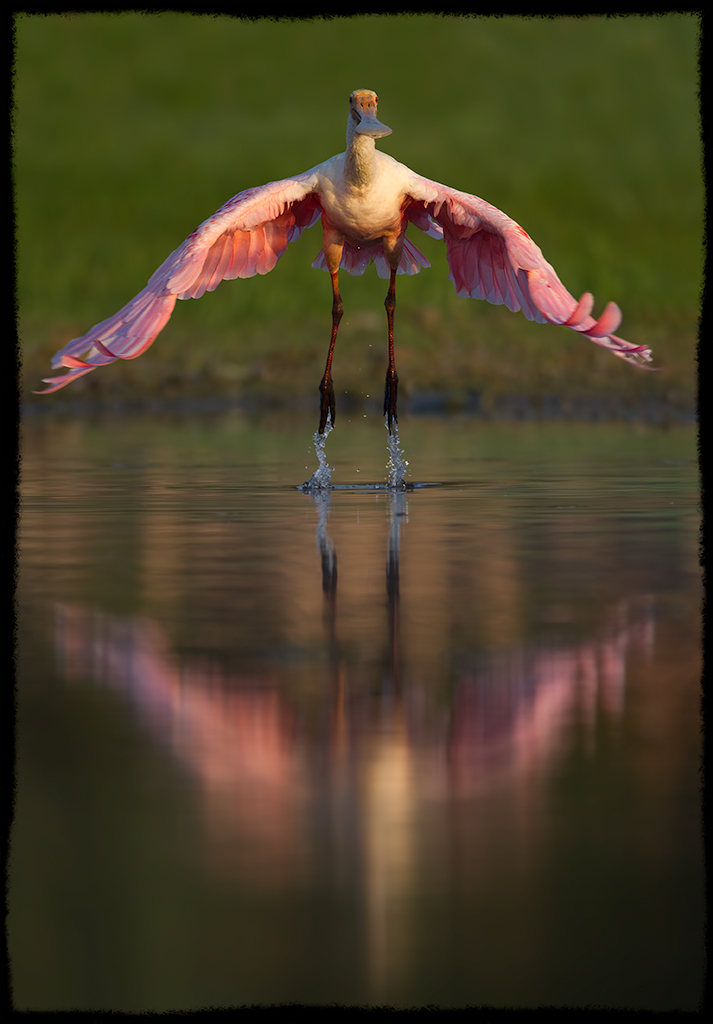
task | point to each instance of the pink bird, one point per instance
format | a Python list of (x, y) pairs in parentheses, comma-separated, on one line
[(366, 201)]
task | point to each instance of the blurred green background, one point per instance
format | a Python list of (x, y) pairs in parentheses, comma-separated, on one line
[(131, 129)]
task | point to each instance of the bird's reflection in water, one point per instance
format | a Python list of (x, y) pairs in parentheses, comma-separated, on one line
[(381, 763), (506, 706), (398, 513), (328, 554)]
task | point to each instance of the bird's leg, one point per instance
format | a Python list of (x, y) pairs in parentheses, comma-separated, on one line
[(326, 388), (392, 378)]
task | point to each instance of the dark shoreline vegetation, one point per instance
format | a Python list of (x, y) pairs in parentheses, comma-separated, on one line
[(605, 176), (513, 408)]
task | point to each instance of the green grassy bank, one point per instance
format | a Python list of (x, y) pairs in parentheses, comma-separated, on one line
[(131, 129)]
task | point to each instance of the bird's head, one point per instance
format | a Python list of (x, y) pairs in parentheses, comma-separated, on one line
[(362, 112)]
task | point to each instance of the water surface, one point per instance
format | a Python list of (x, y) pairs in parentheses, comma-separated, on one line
[(433, 747)]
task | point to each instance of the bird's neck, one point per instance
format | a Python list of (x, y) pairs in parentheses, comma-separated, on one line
[(360, 158)]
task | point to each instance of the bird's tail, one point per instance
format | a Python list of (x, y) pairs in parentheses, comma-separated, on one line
[(356, 258)]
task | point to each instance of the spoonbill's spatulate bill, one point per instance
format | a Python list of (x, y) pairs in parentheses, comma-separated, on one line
[(366, 200)]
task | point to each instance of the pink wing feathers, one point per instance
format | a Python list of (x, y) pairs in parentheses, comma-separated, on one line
[(491, 257), (246, 236)]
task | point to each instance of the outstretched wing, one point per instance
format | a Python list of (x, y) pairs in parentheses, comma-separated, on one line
[(491, 257), (244, 237)]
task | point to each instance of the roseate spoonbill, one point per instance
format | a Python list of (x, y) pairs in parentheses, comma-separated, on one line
[(366, 200)]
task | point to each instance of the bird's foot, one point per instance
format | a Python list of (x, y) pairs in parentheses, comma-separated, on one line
[(390, 394), (326, 403)]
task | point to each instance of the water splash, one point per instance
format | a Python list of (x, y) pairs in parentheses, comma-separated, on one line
[(321, 479), (396, 466)]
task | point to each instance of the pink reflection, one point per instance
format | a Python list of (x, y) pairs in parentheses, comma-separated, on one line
[(234, 734), (513, 712), (256, 768)]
